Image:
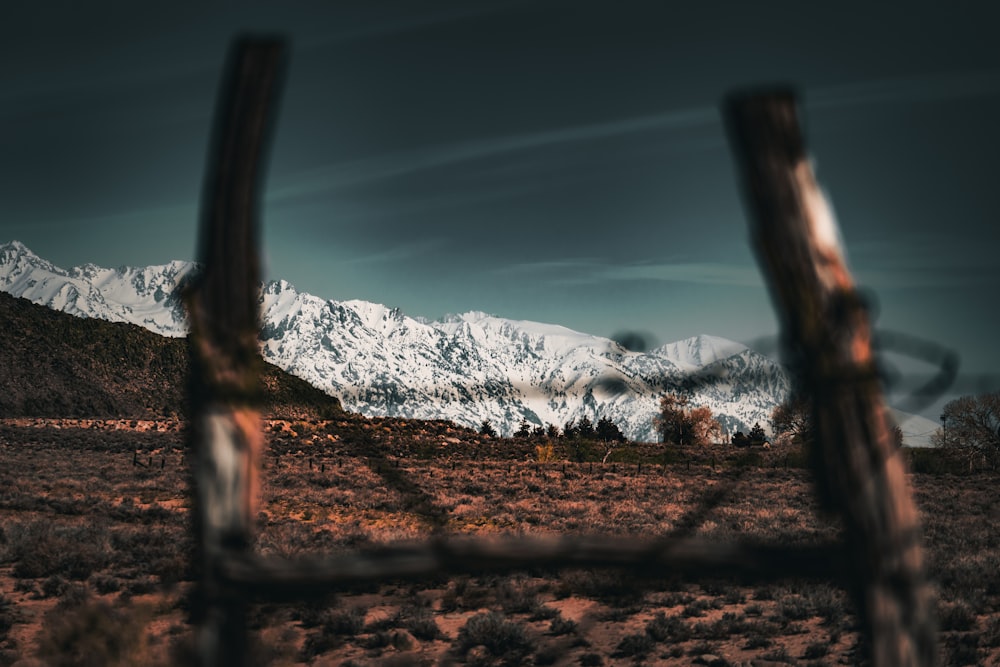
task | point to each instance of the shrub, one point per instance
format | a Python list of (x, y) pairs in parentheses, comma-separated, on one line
[(816, 650), (757, 640), (721, 628), (663, 628), (501, 638), (548, 655), (54, 586), (543, 613), (74, 595), (333, 627), (697, 608), (676, 599), (26, 586), (829, 603), (562, 626), (702, 648), (991, 637), (734, 596), (318, 643), (517, 598), (958, 617), (345, 622), (7, 616), (779, 654), (141, 586), (545, 453), (378, 640), (41, 549), (105, 583), (963, 649), (637, 645), (93, 633), (420, 623), (795, 608)]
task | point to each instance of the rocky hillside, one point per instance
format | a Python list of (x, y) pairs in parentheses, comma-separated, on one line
[(55, 365)]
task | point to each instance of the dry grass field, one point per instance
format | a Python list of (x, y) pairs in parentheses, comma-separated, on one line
[(95, 554)]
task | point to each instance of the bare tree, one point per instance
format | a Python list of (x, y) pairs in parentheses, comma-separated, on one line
[(680, 424), (792, 421), (972, 429)]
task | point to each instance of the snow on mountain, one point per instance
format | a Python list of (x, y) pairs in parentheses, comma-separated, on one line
[(474, 367), (139, 296), (700, 350), (467, 368)]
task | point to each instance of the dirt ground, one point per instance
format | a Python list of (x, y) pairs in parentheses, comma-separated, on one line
[(95, 563)]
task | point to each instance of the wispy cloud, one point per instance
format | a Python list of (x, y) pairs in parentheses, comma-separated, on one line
[(926, 260), (888, 264), (176, 214), (392, 165), (589, 271), (703, 273)]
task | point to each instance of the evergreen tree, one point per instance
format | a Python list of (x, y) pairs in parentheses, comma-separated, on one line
[(486, 428), (523, 429), (608, 431), (586, 428)]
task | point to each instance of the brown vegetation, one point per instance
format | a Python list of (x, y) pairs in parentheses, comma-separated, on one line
[(681, 425), (95, 544), (57, 365)]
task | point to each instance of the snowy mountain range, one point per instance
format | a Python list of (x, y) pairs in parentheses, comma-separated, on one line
[(467, 368)]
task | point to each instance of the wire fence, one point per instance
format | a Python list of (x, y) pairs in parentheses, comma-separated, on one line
[(825, 331)]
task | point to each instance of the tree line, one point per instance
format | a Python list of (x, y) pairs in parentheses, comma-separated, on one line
[(970, 427), (583, 429)]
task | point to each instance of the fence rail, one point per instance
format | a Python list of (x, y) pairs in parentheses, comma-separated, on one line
[(693, 557), (825, 328)]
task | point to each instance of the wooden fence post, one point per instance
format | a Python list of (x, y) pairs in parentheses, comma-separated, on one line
[(826, 334), (224, 322), (825, 330)]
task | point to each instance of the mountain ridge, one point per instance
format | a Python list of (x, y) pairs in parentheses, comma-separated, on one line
[(467, 368), (56, 365)]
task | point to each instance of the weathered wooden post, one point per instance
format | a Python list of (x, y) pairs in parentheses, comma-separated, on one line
[(827, 337), (223, 316)]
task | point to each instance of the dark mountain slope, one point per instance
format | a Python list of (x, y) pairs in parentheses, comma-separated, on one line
[(56, 365)]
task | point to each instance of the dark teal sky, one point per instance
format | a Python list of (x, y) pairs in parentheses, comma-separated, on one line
[(553, 161)]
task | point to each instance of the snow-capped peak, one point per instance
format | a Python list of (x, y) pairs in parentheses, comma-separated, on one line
[(467, 368), (700, 350), (138, 296)]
